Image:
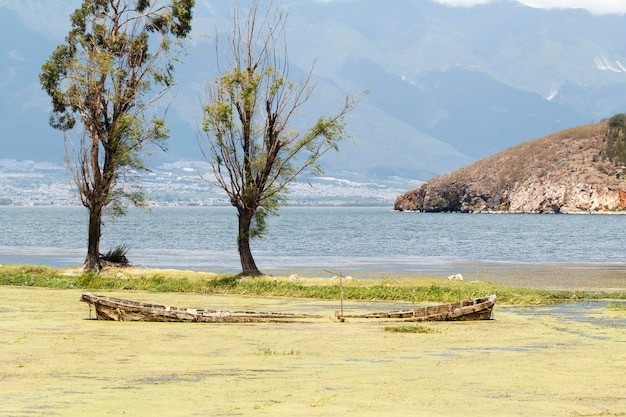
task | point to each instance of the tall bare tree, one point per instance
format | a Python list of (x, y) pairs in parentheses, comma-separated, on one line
[(117, 60), (251, 144)]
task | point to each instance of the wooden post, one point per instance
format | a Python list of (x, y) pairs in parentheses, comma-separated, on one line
[(341, 276), (341, 295)]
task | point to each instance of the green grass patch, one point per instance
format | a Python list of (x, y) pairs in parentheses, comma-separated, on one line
[(616, 307), (270, 352), (408, 290), (410, 329)]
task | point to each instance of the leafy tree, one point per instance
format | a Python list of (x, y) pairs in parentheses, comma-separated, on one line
[(117, 60), (616, 139), (252, 148)]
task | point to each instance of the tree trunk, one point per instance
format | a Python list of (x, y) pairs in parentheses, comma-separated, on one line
[(248, 266), (92, 261)]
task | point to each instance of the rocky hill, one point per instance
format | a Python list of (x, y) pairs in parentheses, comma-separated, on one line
[(571, 171)]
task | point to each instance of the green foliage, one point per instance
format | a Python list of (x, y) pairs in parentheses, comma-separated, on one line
[(89, 280), (253, 150), (39, 276), (616, 139), (450, 200), (441, 204), (617, 121), (159, 283), (101, 82), (103, 73)]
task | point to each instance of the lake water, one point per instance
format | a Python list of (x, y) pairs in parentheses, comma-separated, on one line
[(348, 239)]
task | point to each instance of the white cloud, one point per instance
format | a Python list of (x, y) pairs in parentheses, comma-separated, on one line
[(15, 56), (51, 18), (598, 7), (463, 3), (593, 6)]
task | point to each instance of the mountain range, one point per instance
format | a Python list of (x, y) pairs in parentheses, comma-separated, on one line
[(447, 85)]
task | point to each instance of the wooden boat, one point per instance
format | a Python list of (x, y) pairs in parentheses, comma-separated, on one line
[(476, 309), (109, 308)]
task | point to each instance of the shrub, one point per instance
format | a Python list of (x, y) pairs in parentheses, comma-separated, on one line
[(616, 139), (117, 255)]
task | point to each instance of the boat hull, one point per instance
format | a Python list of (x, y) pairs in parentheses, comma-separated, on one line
[(476, 309), (110, 308)]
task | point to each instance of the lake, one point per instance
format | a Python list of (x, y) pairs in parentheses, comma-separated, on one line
[(317, 238)]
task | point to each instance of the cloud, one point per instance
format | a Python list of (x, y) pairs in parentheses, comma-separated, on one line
[(51, 18), (15, 56), (597, 7), (463, 3)]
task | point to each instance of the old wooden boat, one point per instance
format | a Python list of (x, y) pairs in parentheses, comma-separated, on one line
[(476, 309), (110, 308)]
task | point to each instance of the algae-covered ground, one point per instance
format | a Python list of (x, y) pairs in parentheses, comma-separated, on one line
[(55, 361)]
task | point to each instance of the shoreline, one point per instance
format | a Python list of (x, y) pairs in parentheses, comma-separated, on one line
[(540, 276)]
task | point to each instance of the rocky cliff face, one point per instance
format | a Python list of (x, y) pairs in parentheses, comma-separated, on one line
[(565, 172)]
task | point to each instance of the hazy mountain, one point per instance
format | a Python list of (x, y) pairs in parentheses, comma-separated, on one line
[(447, 85)]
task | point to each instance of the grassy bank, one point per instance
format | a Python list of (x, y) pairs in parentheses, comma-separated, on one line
[(384, 289)]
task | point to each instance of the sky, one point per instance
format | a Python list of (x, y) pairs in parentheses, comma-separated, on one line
[(53, 20), (598, 7)]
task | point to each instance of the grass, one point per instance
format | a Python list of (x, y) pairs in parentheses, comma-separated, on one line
[(409, 329), (410, 290), (616, 307), (270, 352)]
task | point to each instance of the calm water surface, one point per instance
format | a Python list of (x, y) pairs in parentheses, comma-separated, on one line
[(302, 238)]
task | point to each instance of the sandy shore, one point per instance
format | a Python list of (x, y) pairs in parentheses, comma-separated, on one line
[(55, 361), (570, 276)]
